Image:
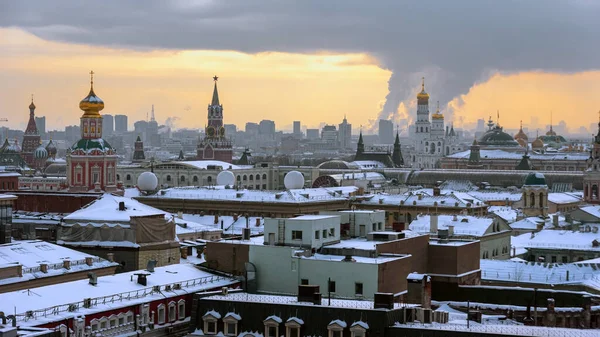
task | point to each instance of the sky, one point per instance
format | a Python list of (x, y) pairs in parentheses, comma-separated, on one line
[(314, 61)]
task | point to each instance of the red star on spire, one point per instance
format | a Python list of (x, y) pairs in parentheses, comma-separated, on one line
[(216, 78)]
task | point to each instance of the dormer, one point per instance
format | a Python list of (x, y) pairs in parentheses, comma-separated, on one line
[(292, 327), (336, 328), (359, 329), (231, 321), (210, 319), (272, 324)]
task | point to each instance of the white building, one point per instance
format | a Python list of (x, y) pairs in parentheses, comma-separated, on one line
[(308, 231), (358, 223)]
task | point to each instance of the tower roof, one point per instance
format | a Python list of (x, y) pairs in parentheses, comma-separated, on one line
[(521, 134), (535, 179), (91, 104), (31, 106), (215, 97), (31, 126), (423, 95)]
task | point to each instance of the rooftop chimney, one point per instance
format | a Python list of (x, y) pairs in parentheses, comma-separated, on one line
[(257, 222), (433, 223), (110, 257), (555, 220), (245, 233), (89, 261), (121, 205), (216, 219), (93, 278), (44, 268), (141, 279), (348, 258), (66, 264), (180, 214)]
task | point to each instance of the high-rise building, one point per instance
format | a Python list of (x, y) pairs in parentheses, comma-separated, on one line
[(140, 128), (120, 124), (345, 134), (386, 131), (312, 134), (41, 125), (215, 145), (266, 127), (297, 130), (108, 123), (72, 133), (251, 128), (152, 131)]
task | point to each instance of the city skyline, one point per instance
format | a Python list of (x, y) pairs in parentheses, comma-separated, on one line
[(319, 79)]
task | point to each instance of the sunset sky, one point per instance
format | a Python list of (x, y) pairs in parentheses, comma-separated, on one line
[(306, 62)]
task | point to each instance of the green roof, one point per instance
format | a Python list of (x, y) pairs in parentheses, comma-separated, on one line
[(87, 145), (535, 178)]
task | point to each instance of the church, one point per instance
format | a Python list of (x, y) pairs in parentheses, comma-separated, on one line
[(433, 140), (215, 145)]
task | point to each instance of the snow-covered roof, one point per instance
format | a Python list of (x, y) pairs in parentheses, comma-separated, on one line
[(196, 222), (364, 244), (338, 322), (233, 315), (529, 223), (368, 164), (106, 209), (306, 195), (357, 259), (501, 154), (362, 324), (561, 239), (293, 300), (506, 213), (32, 253), (295, 319), (496, 195), (452, 200), (593, 210), (274, 318), (212, 313), (204, 164), (111, 292), (464, 225), (563, 198), (376, 176)]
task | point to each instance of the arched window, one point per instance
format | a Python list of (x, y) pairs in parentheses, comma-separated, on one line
[(239, 178), (541, 199), (118, 177), (258, 177), (182, 179), (181, 309), (209, 179), (532, 200), (251, 177), (172, 312), (168, 178), (524, 199), (128, 177), (161, 314), (264, 176), (245, 178), (432, 148), (195, 179)]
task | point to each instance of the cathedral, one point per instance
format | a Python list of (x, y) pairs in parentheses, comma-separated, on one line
[(31, 139), (215, 145), (433, 140), (91, 161)]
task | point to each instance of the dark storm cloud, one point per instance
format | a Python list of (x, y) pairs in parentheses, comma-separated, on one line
[(453, 43)]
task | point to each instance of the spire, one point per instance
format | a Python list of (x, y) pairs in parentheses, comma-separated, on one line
[(423, 84), (397, 158), (31, 106), (215, 98), (91, 81), (438, 107), (597, 138), (360, 147), (152, 114)]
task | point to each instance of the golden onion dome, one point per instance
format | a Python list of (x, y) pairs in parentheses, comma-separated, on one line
[(31, 106), (437, 114), (521, 134), (91, 104), (537, 144), (423, 95)]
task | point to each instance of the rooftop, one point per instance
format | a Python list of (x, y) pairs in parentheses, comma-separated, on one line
[(106, 209), (562, 239), (500, 154), (463, 225)]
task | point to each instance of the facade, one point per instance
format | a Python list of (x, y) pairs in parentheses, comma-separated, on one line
[(378, 154), (31, 139), (215, 145), (6, 209), (591, 177), (433, 140), (535, 196), (92, 161), (9, 181)]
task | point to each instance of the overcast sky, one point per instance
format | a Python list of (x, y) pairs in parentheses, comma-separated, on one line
[(454, 44)]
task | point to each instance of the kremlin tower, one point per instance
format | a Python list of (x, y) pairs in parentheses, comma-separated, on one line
[(91, 162), (31, 139), (215, 146)]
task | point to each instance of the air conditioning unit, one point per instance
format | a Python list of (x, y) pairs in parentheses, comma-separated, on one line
[(72, 307)]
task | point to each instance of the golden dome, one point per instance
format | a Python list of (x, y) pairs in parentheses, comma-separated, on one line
[(521, 134), (537, 144), (423, 95), (91, 104), (31, 106), (522, 142), (437, 114)]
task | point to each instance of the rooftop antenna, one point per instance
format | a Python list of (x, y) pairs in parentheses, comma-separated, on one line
[(152, 116)]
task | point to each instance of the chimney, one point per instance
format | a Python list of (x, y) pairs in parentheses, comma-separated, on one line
[(555, 220), (450, 230), (550, 305), (420, 196), (433, 223), (180, 214), (66, 264), (110, 257), (454, 217), (121, 205), (93, 279), (44, 268), (436, 191), (216, 219), (20, 270), (257, 222), (141, 279), (89, 261), (540, 226), (245, 233), (348, 258)]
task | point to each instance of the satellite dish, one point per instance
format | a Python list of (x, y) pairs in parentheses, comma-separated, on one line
[(293, 180), (225, 178), (147, 181)]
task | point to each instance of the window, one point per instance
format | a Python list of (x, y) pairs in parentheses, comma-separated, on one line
[(296, 235), (182, 179), (209, 179), (553, 259), (358, 288), (258, 177), (231, 322), (211, 327), (128, 177), (103, 323), (172, 313), (264, 176), (181, 309), (332, 232), (161, 314), (336, 328), (331, 286), (195, 179), (244, 178), (324, 234), (121, 320), (168, 178), (251, 177), (374, 227), (359, 329), (94, 325), (304, 281), (272, 331), (293, 332), (564, 259), (317, 235), (230, 329)]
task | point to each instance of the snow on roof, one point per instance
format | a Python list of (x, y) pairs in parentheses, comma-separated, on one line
[(305, 195), (537, 272), (338, 322), (359, 176), (365, 244), (561, 239), (415, 276), (501, 154), (357, 259), (48, 307), (233, 315), (32, 253), (362, 324), (273, 318), (8, 196), (506, 213), (250, 333), (593, 210), (293, 300), (563, 198), (452, 200), (496, 195), (106, 209), (204, 164), (368, 164), (230, 226), (213, 314), (132, 192), (295, 319), (529, 223), (464, 225), (310, 217)]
